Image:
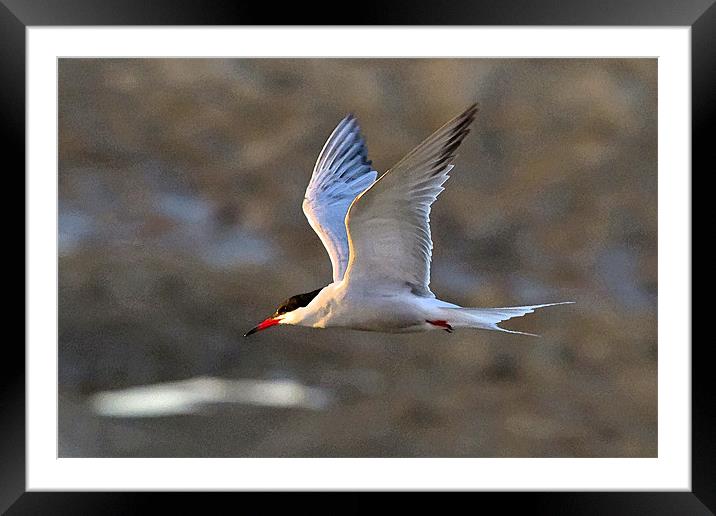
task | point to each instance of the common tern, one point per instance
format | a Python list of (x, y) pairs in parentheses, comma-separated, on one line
[(377, 233)]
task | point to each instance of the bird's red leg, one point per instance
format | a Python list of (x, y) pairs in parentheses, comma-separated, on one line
[(442, 324)]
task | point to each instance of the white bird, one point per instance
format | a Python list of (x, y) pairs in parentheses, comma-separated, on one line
[(377, 233)]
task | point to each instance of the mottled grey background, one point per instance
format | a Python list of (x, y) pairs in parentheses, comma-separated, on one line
[(180, 227)]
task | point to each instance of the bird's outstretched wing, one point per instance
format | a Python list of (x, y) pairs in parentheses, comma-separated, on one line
[(341, 173), (388, 225)]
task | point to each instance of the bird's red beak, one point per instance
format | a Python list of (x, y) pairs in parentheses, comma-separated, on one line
[(262, 326)]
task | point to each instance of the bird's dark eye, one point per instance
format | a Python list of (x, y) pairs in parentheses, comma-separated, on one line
[(287, 306)]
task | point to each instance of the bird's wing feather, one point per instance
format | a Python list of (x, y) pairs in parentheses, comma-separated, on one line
[(388, 225), (341, 173)]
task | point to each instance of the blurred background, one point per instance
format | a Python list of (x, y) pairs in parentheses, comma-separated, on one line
[(180, 227)]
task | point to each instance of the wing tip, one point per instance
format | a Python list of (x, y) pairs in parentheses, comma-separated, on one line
[(467, 117), (349, 121)]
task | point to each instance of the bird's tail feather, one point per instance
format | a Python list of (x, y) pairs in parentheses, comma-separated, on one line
[(489, 318)]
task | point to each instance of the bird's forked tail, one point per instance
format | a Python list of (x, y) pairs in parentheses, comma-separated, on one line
[(489, 318)]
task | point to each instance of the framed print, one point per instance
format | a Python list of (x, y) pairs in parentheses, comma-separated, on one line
[(187, 329)]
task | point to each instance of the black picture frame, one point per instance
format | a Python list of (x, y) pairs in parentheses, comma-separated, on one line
[(17, 15)]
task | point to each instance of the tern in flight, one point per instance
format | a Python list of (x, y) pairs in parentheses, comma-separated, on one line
[(377, 233)]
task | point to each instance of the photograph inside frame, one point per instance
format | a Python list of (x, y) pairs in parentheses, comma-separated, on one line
[(182, 188)]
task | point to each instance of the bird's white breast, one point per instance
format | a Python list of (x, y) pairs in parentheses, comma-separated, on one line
[(401, 311)]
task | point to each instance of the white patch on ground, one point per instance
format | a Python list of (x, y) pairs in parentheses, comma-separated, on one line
[(189, 396)]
